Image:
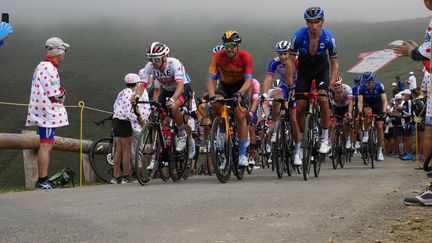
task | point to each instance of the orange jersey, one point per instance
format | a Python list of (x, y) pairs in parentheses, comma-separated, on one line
[(231, 70)]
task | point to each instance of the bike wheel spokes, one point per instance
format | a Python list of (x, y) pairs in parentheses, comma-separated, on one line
[(307, 146), (101, 159), (147, 152), (278, 149), (179, 159), (220, 150)]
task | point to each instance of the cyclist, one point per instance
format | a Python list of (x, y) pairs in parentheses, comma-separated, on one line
[(357, 82), (342, 104), (170, 75), (277, 65), (372, 99), (253, 104), (235, 67), (311, 44)]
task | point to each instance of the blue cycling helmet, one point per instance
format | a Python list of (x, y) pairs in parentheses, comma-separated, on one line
[(314, 13), (369, 76), (358, 79), (282, 46), (218, 48)]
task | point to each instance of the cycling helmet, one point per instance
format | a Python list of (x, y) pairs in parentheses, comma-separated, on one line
[(358, 80), (282, 46), (218, 48), (157, 49), (314, 13), (339, 80), (369, 76), (231, 36), (132, 78)]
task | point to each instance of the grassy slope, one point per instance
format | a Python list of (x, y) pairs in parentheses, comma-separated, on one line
[(102, 53)]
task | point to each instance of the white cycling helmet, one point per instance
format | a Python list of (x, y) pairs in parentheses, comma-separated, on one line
[(157, 50), (282, 46), (338, 80), (218, 48), (132, 78)]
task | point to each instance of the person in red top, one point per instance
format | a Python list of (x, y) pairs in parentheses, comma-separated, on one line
[(235, 68)]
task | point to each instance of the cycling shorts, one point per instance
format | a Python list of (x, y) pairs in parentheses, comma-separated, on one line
[(306, 74), (376, 109), (46, 134), (168, 94), (228, 91), (122, 128), (284, 90)]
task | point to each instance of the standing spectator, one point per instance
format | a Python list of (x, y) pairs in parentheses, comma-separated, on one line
[(422, 53), (408, 124), (412, 81), (395, 89), (5, 30), (419, 111), (400, 83), (46, 110)]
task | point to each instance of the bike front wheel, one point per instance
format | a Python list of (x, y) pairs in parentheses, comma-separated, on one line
[(220, 150)]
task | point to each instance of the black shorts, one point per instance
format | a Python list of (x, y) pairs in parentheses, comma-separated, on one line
[(228, 91), (307, 73), (340, 110), (164, 94), (377, 109), (122, 128)]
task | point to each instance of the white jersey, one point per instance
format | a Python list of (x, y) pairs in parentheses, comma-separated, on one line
[(174, 73), (41, 111), (424, 48), (123, 106), (412, 81), (341, 98)]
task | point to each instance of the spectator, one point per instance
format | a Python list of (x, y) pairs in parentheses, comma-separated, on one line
[(412, 81), (395, 89), (422, 53), (400, 83), (408, 124), (5, 31), (46, 110), (419, 110)]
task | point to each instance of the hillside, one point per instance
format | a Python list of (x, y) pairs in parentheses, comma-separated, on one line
[(103, 52)]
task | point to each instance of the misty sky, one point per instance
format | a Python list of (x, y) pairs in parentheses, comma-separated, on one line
[(151, 12)]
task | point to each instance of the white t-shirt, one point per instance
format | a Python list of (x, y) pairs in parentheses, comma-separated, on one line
[(412, 81), (41, 111), (174, 73), (427, 87)]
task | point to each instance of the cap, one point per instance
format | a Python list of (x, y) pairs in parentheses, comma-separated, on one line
[(394, 84), (55, 46), (132, 78), (411, 73), (406, 91), (398, 96)]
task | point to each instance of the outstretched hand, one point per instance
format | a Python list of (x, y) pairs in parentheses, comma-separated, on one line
[(404, 49)]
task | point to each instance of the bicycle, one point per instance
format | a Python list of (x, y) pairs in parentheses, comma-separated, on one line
[(283, 147), (339, 152), (224, 146), (101, 155), (311, 141), (369, 149), (155, 145), (262, 135)]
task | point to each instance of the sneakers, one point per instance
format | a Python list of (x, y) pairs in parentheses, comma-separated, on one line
[(181, 142), (297, 159), (357, 145), (408, 156), (422, 199), (251, 161), (151, 165), (46, 185), (128, 179), (325, 146), (380, 156), (115, 180), (273, 138), (348, 144), (191, 148), (268, 148), (243, 161), (365, 138), (223, 164)]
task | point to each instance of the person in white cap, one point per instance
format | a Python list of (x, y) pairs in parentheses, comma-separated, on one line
[(412, 81), (395, 89), (46, 110), (408, 124)]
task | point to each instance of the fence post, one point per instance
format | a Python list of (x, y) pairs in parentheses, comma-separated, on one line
[(89, 175), (30, 164)]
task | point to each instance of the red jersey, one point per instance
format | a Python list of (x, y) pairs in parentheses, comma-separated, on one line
[(231, 70)]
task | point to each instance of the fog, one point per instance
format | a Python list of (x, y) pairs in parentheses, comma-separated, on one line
[(31, 12)]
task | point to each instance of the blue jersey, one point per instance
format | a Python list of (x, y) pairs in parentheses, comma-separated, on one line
[(300, 45), (372, 96), (275, 66), (355, 90)]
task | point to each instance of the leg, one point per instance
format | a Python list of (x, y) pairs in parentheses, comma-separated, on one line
[(126, 155), (43, 159), (117, 156)]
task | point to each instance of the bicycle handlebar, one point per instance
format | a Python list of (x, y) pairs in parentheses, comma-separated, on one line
[(101, 122)]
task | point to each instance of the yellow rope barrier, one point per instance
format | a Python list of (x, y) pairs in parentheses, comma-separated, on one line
[(81, 105)]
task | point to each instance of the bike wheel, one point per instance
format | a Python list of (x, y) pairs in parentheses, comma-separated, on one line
[(334, 149), (319, 159), (307, 146), (278, 153), (102, 159), (264, 153), (235, 161), (343, 152), (148, 146), (208, 159), (179, 159), (288, 150), (372, 146), (220, 149)]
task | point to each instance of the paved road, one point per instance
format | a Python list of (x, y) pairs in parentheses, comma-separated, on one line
[(341, 204)]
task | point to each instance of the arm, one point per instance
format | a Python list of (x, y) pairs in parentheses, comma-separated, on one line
[(178, 91), (290, 69), (360, 103), (246, 86), (334, 66), (156, 93), (267, 83), (384, 102)]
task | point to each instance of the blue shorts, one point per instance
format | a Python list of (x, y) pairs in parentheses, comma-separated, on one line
[(284, 89), (428, 121), (46, 134)]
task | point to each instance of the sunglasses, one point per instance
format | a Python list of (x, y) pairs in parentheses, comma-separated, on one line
[(155, 59), (314, 21), (230, 45)]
